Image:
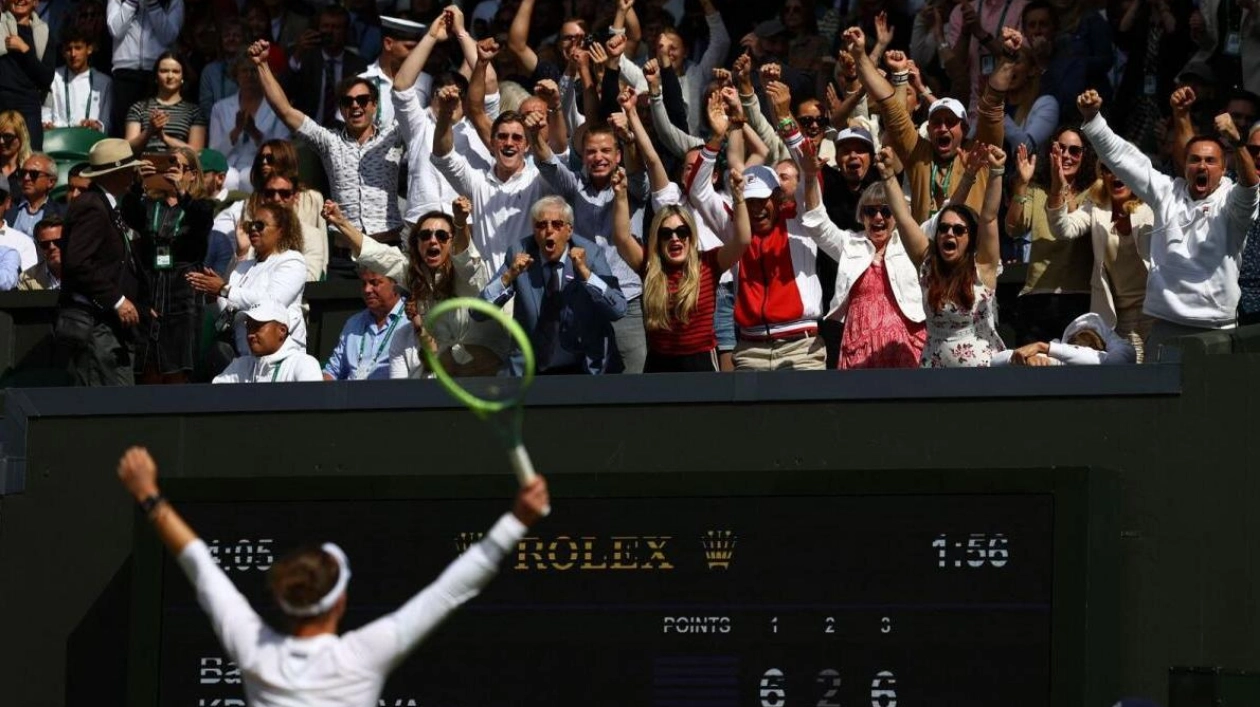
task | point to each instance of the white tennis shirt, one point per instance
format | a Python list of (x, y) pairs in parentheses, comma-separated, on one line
[(280, 670)]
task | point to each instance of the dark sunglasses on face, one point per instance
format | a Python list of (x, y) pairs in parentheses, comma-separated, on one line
[(1073, 150), (871, 211), (49, 245), (555, 223), (958, 229), (509, 137), (6, 138), (32, 174), (258, 226), (812, 120), (281, 193), (441, 234), (267, 158), (361, 100), (682, 233)]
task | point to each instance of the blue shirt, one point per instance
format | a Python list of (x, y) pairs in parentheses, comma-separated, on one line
[(363, 348), (10, 268), (24, 220)]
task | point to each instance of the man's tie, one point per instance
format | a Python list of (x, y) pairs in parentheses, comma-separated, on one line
[(330, 93)]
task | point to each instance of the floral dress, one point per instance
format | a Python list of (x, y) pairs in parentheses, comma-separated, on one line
[(959, 338), (876, 333)]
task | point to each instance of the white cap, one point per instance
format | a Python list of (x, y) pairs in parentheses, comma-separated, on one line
[(269, 311), (950, 104), (760, 182), (396, 26)]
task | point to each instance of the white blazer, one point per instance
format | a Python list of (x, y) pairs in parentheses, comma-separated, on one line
[(854, 253), (1096, 221)]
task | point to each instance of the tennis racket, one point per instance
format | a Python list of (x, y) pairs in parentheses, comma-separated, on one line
[(501, 400)]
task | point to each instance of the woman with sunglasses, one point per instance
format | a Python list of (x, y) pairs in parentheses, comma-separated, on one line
[(1119, 227), (438, 265), (877, 296), (15, 147), (958, 266), (165, 120), (276, 272), (680, 281), (172, 219), (1056, 288)]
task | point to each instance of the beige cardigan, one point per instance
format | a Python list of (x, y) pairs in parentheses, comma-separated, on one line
[(8, 25)]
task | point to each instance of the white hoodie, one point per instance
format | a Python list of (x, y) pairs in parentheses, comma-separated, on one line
[(291, 363), (1195, 245)]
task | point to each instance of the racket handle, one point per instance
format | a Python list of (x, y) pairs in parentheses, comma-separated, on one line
[(524, 468)]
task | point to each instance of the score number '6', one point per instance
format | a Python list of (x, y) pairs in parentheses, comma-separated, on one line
[(774, 688)]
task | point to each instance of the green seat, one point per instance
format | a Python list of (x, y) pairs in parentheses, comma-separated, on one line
[(63, 178), (71, 143)]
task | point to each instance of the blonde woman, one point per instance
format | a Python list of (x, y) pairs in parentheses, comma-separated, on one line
[(679, 279), (15, 147), (1119, 226)]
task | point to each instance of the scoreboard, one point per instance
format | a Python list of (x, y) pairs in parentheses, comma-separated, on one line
[(885, 590)]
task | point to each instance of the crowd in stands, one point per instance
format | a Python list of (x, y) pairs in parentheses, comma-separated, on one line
[(645, 185)]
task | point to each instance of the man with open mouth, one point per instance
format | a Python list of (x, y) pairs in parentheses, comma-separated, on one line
[(1201, 224)]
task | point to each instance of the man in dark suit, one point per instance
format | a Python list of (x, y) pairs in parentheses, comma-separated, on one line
[(102, 293), (566, 297), (320, 64)]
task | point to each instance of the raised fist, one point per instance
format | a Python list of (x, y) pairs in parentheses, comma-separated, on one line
[(448, 100), (1089, 103)]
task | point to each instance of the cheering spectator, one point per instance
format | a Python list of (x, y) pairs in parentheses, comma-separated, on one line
[(322, 65), (172, 220), (1056, 288), (166, 121), (102, 294), (876, 294), (976, 36), (573, 31), (1193, 283), (218, 78), (10, 269), (361, 160), (13, 238), (274, 356), (143, 31), (243, 121), (15, 147), (81, 96), (693, 77), (958, 266), (1031, 113), (680, 281), (1119, 227), (400, 37), (1087, 341), (276, 272), (1249, 271), (47, 274), (568, 296), (26, 64), (39, 176)]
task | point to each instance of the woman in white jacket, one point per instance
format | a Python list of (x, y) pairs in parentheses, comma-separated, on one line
[(1119, 226), (277, 271), (877, 294)]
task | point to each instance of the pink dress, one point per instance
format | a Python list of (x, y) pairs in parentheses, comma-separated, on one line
[(876, 333)]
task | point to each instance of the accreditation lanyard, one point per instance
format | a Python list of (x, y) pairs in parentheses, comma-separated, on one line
[(944, 188), (361, 371), (997, 32), (159, 217), (87, 105), (163, 257)]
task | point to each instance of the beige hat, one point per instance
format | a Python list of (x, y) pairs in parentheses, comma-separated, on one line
[(109, 155)]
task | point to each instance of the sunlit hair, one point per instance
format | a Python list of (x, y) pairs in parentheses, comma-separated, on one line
[(660, 307), (303, 577), (953, 283), (1101, 195), (284, 162), (428, 285), (551, 202), (195, 190), (873, 194), (13, 120), (287, 221)]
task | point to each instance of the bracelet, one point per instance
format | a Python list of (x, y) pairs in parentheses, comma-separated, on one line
[(151, 502), (997, 172), (617, 31), (901, 78), (1021, 199), (787, 123)]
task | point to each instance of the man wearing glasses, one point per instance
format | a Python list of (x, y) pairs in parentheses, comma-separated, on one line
[(11, 237), (361, 159), (47, 274), (39, 176)]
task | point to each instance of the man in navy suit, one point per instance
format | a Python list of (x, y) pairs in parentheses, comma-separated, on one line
[(568, 297)]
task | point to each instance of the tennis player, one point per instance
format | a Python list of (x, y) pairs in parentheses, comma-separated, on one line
[(311, 665)]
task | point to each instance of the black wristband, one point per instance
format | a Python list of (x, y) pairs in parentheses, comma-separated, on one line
[(151, 502)]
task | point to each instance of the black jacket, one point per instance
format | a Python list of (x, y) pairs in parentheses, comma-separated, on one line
[(97, 261)]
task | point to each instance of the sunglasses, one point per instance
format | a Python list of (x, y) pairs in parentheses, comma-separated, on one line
[(280, 193), (33, 174), (441, 234), (49, 245), (571, 37), (509, 137), (812, 120), (871, 211), (267, 158), (258, 226), (957, 229), (1254, 150), (6, 138), (1073, 150), (555, 224), (361, 100), (682, 233)]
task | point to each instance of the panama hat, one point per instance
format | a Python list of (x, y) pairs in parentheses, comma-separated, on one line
[(109, 155)]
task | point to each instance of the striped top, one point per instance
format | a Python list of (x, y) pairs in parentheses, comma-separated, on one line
[(697, 335), (183, 116)]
